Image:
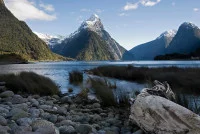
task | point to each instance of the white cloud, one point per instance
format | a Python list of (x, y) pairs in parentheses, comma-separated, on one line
[(27, 10), (196, 9), (149, 3), (47, 7), (131, 6), (123, 14), (146, 3)]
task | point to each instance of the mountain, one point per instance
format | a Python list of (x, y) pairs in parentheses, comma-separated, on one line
[(149, 50), (50, 40), (91, 42), (187, 39), (172, 43), (16, 38)]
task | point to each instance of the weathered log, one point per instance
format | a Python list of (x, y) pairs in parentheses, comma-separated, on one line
[(158, 115)]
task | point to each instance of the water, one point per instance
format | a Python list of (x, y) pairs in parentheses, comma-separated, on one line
[(59, 71)]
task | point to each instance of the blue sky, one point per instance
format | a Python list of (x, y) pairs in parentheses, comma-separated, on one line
[(130, 22)]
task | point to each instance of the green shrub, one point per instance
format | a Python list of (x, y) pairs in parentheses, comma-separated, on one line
[(75, 77), (84, 93), (103, 92), (184, 80), (70, 90), (29, 82), (123, 99)]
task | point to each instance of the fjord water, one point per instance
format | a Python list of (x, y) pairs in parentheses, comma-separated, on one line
[(59, 71)]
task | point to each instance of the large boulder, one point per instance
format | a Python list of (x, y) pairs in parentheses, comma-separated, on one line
[(42, 124), (7, 94), (84, 129), (158, 115), (17, 113)]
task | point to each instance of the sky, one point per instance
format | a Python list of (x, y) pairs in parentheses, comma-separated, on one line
[(129, 22)]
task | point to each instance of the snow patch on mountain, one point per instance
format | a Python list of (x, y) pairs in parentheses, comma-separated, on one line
[(168, 34), (50, 40), (93, 24)]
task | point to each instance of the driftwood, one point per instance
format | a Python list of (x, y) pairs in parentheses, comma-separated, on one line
[(155, 113)]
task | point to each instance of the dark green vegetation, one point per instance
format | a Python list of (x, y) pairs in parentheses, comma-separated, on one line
[(189, 103), (11, 58), (104, 91), (16, 37), (87, 45), (30, 83), (176, 56), (75, 77), (180, 79)]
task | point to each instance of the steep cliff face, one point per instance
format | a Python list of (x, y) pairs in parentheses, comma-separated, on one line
[(16, 37), (149, 50), (187, 39)]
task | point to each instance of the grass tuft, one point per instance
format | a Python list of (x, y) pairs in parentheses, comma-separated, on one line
[(75, 77), (103, 92), (31, 83), (184, 80)]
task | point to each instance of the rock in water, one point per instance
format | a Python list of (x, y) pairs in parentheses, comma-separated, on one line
[(158, 115)]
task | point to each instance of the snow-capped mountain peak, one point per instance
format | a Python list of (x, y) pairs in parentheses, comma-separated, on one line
[(168, 34), (93, 24), (44, 36), (50, 40), (189, 25)]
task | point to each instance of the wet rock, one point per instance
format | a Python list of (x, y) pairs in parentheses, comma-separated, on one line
[(3, 111), (49, 103), (3, 121), (24, 122), (56, 97), (7, 94), (67, 130), (17, 113), (156, 114), (53, 118), (47, 130), (45, 107), (41, 124), (66, 123), (35, 113), (45, 116), (61, 118), (66, 99), (4, 129), (84, 129), (139, 132), (22, 106), (34, 102), (96, 105), (18, 99), (96, 118), (20, 129)]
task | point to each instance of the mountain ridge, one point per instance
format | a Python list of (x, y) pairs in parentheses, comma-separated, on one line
[(185, 40), (97, 38)]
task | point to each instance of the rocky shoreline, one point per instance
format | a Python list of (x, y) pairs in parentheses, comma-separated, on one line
[(34, 114)]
